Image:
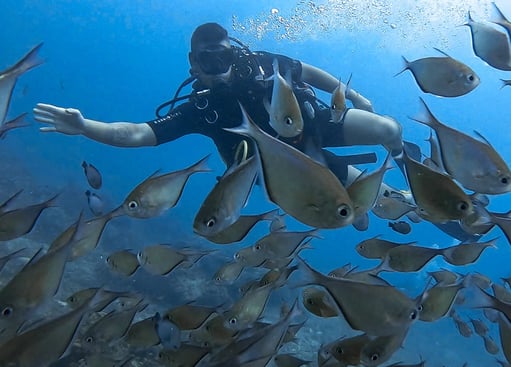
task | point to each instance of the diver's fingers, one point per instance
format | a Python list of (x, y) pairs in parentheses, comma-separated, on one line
[(45, 120), (49, 108), (42, 113), (48, 129)]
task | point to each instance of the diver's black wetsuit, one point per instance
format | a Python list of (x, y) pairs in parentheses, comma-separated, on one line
[(208, 114)]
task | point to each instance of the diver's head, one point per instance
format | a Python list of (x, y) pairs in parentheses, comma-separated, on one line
[(211, 56)]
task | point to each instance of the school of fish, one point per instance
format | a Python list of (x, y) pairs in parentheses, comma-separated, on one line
[(270, 291)]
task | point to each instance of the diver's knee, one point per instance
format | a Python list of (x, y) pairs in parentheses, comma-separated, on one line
[(391, 133)]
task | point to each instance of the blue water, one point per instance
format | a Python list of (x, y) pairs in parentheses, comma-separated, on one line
[(117, 60)]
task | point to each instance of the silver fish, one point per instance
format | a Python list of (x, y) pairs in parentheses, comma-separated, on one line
[(442, 76), (44, 274), (46, 343), (490, 44), (223, 205), (239, 229), (338, 102), (89, 236), (392, 205), (466, 253), (472, 162), (438, 301), (381, 348), (505, 336), (284, 110), (438, 197), (123, 262), (345, 351), (18, 222), (161, 259), (366, 187), (158, 193), (316, 197), (388, 311), (9, 77)]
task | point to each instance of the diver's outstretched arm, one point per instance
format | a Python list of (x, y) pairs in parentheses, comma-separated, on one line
[(320, 79), (70, 121)]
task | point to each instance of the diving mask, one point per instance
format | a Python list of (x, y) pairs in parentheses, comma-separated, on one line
[(215, 61)]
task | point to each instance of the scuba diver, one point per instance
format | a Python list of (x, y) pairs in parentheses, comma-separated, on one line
[(224, 74)]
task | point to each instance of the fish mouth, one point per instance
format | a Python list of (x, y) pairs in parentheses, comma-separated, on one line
[(117, 212)]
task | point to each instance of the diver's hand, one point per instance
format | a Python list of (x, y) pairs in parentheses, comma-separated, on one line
[(63, 120)]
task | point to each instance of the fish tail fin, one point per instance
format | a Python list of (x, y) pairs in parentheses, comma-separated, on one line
[(406, 66), (200, 166), (504, 83), (51, 202), (501, 18), (29, 61), (426, 117), (19, 121), (247, 126), (312, 275), (469, 21)]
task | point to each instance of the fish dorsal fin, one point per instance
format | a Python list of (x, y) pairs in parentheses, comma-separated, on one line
[(480, 136), (360, 176), (442, 52), (6, 205), (154, 174), (501, 17)]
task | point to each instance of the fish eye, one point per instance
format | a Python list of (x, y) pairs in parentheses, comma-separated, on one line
[(237, 256), (413, 315), (504, 180), (289, 121), (258, 246), (89, 339), (470, 77), (310, 301), (233, 321), (7, 311), (205, 344), (462, 205), (343, 210), (375, 356), (339, 350), (132, 204), (420, 308), (211, 222), (386, 193)]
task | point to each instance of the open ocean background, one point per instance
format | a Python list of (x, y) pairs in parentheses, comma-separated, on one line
[(117, 60)]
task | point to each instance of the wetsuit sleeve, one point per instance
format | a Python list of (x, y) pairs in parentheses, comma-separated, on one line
[(183, 120)]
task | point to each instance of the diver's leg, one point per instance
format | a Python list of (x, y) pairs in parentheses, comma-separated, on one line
[(363, 128)]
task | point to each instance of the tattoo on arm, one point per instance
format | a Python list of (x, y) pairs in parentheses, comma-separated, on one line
[(121, 135)]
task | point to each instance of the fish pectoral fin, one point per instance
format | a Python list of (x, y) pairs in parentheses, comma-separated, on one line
[(313, 207)]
